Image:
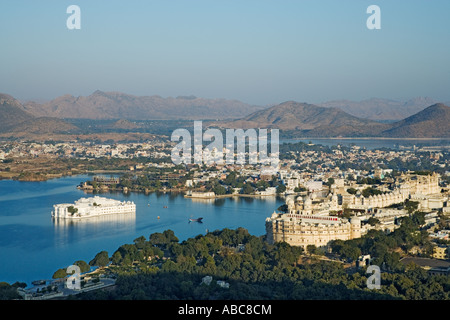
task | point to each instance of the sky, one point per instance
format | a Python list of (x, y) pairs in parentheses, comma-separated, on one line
[(258, 51)]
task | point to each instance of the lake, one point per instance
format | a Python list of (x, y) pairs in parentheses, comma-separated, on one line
[(374, 143), (33, 246)]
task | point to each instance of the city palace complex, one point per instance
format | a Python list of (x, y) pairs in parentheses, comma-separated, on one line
[(313, 219)]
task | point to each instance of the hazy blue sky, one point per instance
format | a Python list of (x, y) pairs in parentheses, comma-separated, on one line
[(257, 51)]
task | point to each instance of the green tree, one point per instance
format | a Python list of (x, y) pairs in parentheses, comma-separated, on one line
[(231, 178), (84, 267), (373, 221), (163, 239), (411, 206), (140, 242), (219, 190), (60, 273), (247, 189), (330, 182), (370, 191), (281, 188), (72, 210), (116, 258), (9, 292), (311, 249), (261, 185), (101, 259)]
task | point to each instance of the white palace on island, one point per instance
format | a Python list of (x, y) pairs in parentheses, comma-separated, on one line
[(92, 207)]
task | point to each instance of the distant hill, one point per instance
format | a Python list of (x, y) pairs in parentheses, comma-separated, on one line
[(381, 109), (305, 119), (432, 122), (116, 105), (11, 113), (123, 124), (296, 119), (43, 125), (120, 113), (17, 122)]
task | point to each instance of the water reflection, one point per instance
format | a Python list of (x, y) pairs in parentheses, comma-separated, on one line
[(219, 202), (111, 219), (205, 200), (70, 230)]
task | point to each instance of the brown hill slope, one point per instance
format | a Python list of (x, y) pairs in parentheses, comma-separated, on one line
[(432, 122), (16, 122), (11, 113), (308, 120), (117, 105), (122, 124), (43, 125)]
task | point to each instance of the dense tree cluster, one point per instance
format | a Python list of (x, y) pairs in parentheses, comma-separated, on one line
[(9, 291), (164, 268), (386, 249)]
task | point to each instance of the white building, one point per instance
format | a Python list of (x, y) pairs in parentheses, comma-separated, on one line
[(270, 191), (92, 207), (313, 185)]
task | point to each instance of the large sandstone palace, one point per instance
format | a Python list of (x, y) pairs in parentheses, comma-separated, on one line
[(300, 226), (312, 220)]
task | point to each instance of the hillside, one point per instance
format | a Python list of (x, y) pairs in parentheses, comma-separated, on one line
[(123, 125), (303, 119), (432, 122), (307, 120), (43, 125), (115, 105), (381, 109), (11, 113), (294, 119), (16, 122)]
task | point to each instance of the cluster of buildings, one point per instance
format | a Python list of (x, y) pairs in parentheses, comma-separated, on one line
[(315, 218), (424, 189), (82, 150), (317, 183), (322, 186)]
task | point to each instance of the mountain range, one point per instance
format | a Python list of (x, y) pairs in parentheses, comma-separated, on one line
[(296, 119), (291, 117), (102, 105), (116, 105)]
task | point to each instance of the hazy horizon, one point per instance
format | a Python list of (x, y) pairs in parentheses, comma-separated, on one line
[(400, 100), (258, 52)]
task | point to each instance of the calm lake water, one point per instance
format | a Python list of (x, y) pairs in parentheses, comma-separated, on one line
[(33, 246), (374, 143)]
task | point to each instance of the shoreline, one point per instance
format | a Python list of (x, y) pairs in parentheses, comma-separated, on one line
[(178, 190), (49, 176), (224, 196), (366, 138)]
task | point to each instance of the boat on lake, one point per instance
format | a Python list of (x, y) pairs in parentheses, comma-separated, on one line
[(196, 220)]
